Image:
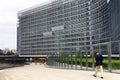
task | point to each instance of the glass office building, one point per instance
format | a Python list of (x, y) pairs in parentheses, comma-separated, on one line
[(63, 26), (115, 19)]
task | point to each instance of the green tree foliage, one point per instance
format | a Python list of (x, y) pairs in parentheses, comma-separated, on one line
[(10, 53), (64, 55), (78, 54)]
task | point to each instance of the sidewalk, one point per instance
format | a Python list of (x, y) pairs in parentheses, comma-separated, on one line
[(40, 72)]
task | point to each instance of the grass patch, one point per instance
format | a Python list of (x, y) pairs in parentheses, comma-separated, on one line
[(115, 62)]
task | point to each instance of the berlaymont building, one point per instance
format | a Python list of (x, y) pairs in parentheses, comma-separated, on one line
[(68, 26)]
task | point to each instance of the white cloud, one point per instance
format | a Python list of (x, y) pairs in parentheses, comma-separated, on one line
[(8, 20)]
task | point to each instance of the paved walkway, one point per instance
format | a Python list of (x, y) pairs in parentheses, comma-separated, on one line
[(40, 72)]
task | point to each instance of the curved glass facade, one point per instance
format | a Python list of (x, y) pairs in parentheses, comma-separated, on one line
[(115, 19), (63, 26)]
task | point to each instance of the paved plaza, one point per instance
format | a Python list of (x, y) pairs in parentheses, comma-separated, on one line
[(42, 72)]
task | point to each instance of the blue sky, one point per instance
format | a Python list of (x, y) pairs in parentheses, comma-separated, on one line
[(8, 20)]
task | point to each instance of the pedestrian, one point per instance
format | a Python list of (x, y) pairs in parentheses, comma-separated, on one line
[(99, 59)]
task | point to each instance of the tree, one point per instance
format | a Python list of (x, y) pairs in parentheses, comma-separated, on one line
[(10, 53), (78, 54), (64, 55)]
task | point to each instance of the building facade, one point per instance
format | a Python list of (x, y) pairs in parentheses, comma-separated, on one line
[(63, 26), (13, 50), (115, 19), (1, 52)]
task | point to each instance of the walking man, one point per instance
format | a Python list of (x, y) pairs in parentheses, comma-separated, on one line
[(99, 59)]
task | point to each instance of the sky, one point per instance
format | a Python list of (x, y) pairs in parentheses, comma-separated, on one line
[(8, 20)]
